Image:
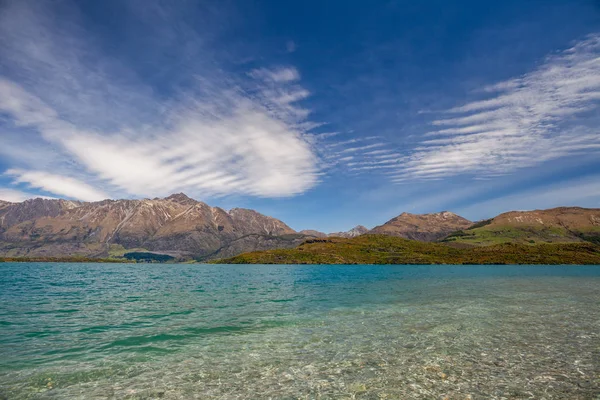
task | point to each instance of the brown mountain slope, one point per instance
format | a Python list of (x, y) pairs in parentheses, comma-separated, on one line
[(14, 213), (423, 227), (556, 225), (175, 225), (4, 204)]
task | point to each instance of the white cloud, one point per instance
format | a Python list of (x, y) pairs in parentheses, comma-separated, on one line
[(58, 184), (225, 136), (361, 148), (362, 155), (379, 153), (27, 109), (278, 75), (17, 196), (99, 123), (244, 150), (384, 163), (528, 120)]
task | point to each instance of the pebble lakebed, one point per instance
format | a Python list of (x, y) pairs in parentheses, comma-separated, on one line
[(119, 331)]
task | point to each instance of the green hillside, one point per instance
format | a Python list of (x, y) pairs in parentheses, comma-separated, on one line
[(486, 234), (380, 249)]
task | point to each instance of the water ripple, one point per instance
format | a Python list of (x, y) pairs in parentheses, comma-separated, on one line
[(77, 331)]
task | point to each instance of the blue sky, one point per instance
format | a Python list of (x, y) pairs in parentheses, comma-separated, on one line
[(323, 114)]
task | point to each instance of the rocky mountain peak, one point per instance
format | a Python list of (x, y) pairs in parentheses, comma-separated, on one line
[(181, 198), (359, 230), (445, 214), (424, 227), (356, 231), (244, 219)]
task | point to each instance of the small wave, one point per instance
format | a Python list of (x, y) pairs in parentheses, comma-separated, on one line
[(141, 340)]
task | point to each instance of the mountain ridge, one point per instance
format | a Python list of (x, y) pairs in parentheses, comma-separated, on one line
[(176, 224), (554, 225), (423, 227), (186, 229)]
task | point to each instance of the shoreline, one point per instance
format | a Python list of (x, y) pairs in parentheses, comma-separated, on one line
[(106, 261)]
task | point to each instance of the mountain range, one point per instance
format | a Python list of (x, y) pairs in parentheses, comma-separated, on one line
[(356, 231), (176, 225), (185, 229)]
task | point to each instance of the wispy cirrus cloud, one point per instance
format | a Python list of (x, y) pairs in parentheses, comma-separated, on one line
[(17, 196), (366, 154), (111, 133), (523, 121), (583, 191), (243, 150), (281, 74), (61, 185)]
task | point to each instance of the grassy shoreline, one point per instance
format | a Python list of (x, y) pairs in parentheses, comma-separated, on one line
[(380, 249)]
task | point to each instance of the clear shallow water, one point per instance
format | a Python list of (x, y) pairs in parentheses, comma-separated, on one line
[(95, 331)]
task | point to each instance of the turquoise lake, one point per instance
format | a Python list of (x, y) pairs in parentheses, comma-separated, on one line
[(160, 331)]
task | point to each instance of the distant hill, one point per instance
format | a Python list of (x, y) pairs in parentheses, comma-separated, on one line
[(356, 231), (557, 225), (382, 249), (423, 227), (313, 233)]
